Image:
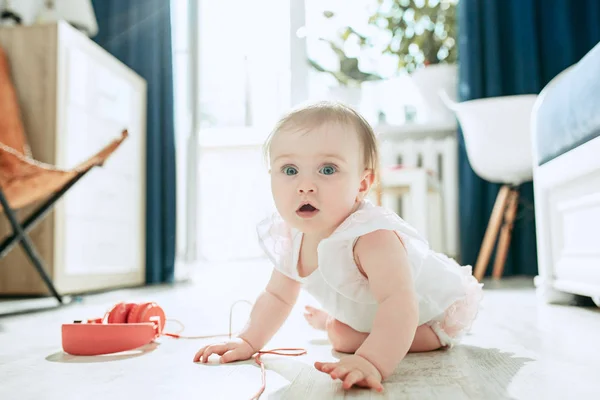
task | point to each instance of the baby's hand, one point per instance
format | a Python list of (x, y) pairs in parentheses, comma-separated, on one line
[(233, 350), (353, 370)]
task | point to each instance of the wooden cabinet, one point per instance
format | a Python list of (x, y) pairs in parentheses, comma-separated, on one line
[(75, 97)]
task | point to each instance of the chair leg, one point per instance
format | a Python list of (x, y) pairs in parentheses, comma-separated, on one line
[(491, 233), (39, 265), (28, 246), (505, 234), (20, 232)]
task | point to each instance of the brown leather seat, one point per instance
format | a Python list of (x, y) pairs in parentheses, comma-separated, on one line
[(23, 180)]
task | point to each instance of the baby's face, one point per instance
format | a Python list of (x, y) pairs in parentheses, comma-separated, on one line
[(317, 176)]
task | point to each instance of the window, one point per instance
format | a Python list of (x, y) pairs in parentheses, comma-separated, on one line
[(243, 62), (252, 65)]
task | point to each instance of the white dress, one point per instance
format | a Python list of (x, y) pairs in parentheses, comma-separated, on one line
[(448, 295)]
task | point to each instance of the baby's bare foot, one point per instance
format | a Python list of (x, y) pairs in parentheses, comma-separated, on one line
[(315, 317)]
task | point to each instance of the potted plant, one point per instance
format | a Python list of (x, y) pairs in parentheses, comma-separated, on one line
[(420, 35)]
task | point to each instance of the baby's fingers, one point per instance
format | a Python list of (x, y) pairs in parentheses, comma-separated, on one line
[(352, 378), (213, 349), (232, 355), (339, 373), (374, 383), (199, 354), (325, 367)]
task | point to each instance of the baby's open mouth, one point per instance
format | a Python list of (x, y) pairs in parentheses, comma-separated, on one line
[(307, 211)]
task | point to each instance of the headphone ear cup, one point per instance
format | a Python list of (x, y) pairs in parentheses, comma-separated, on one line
[(148, 312), (133, 314), (120, 313)]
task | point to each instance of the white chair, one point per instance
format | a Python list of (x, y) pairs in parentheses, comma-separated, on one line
[(498, 143)]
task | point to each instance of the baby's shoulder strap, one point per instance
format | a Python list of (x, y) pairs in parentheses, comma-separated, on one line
[(370, 218), (338, 248)]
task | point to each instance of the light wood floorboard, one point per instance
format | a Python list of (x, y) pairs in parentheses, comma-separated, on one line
[(519, 349)]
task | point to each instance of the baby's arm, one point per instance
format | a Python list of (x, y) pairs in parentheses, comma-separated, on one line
[(271, 309), (382, 257)]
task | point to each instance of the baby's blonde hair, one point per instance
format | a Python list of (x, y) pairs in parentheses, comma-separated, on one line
[(311, 116)]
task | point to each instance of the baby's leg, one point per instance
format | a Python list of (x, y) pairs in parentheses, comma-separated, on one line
[(425, 340), (342, 337), (346, 340)]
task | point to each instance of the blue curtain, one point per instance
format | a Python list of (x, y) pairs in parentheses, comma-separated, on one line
[(138, 33), (509, 47)]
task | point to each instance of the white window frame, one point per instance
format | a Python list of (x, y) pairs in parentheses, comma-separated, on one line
[(299, 92)]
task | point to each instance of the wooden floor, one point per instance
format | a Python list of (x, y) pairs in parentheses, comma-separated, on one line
[(519, 349)]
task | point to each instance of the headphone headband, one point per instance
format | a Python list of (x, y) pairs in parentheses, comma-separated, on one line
[(126, 326)]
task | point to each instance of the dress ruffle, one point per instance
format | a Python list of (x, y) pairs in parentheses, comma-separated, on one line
[(337, 251), (458, 319), (438, 279), (277, 241), (447, 293)]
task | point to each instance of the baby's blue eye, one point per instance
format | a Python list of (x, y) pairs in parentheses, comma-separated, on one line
[(328, 170), (289, 170)]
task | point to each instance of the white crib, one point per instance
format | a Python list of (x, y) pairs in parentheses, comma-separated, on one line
[(425, 190)]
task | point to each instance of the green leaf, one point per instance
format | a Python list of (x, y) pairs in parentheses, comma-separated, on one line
[(436, 42)]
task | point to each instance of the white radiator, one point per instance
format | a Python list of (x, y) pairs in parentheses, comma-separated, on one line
[(235, 194), (438, 155)]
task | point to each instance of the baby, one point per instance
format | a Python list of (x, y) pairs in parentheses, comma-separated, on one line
[(384, 292)]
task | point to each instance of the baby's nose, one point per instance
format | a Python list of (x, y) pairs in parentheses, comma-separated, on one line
[(306, 187)]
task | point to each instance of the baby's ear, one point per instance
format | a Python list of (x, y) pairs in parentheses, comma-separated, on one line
[(366, 183), (370, 175)]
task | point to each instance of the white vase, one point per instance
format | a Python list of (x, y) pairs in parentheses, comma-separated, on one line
[(430, 81)]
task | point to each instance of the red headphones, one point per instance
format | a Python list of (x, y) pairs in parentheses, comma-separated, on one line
[(126, 326)]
